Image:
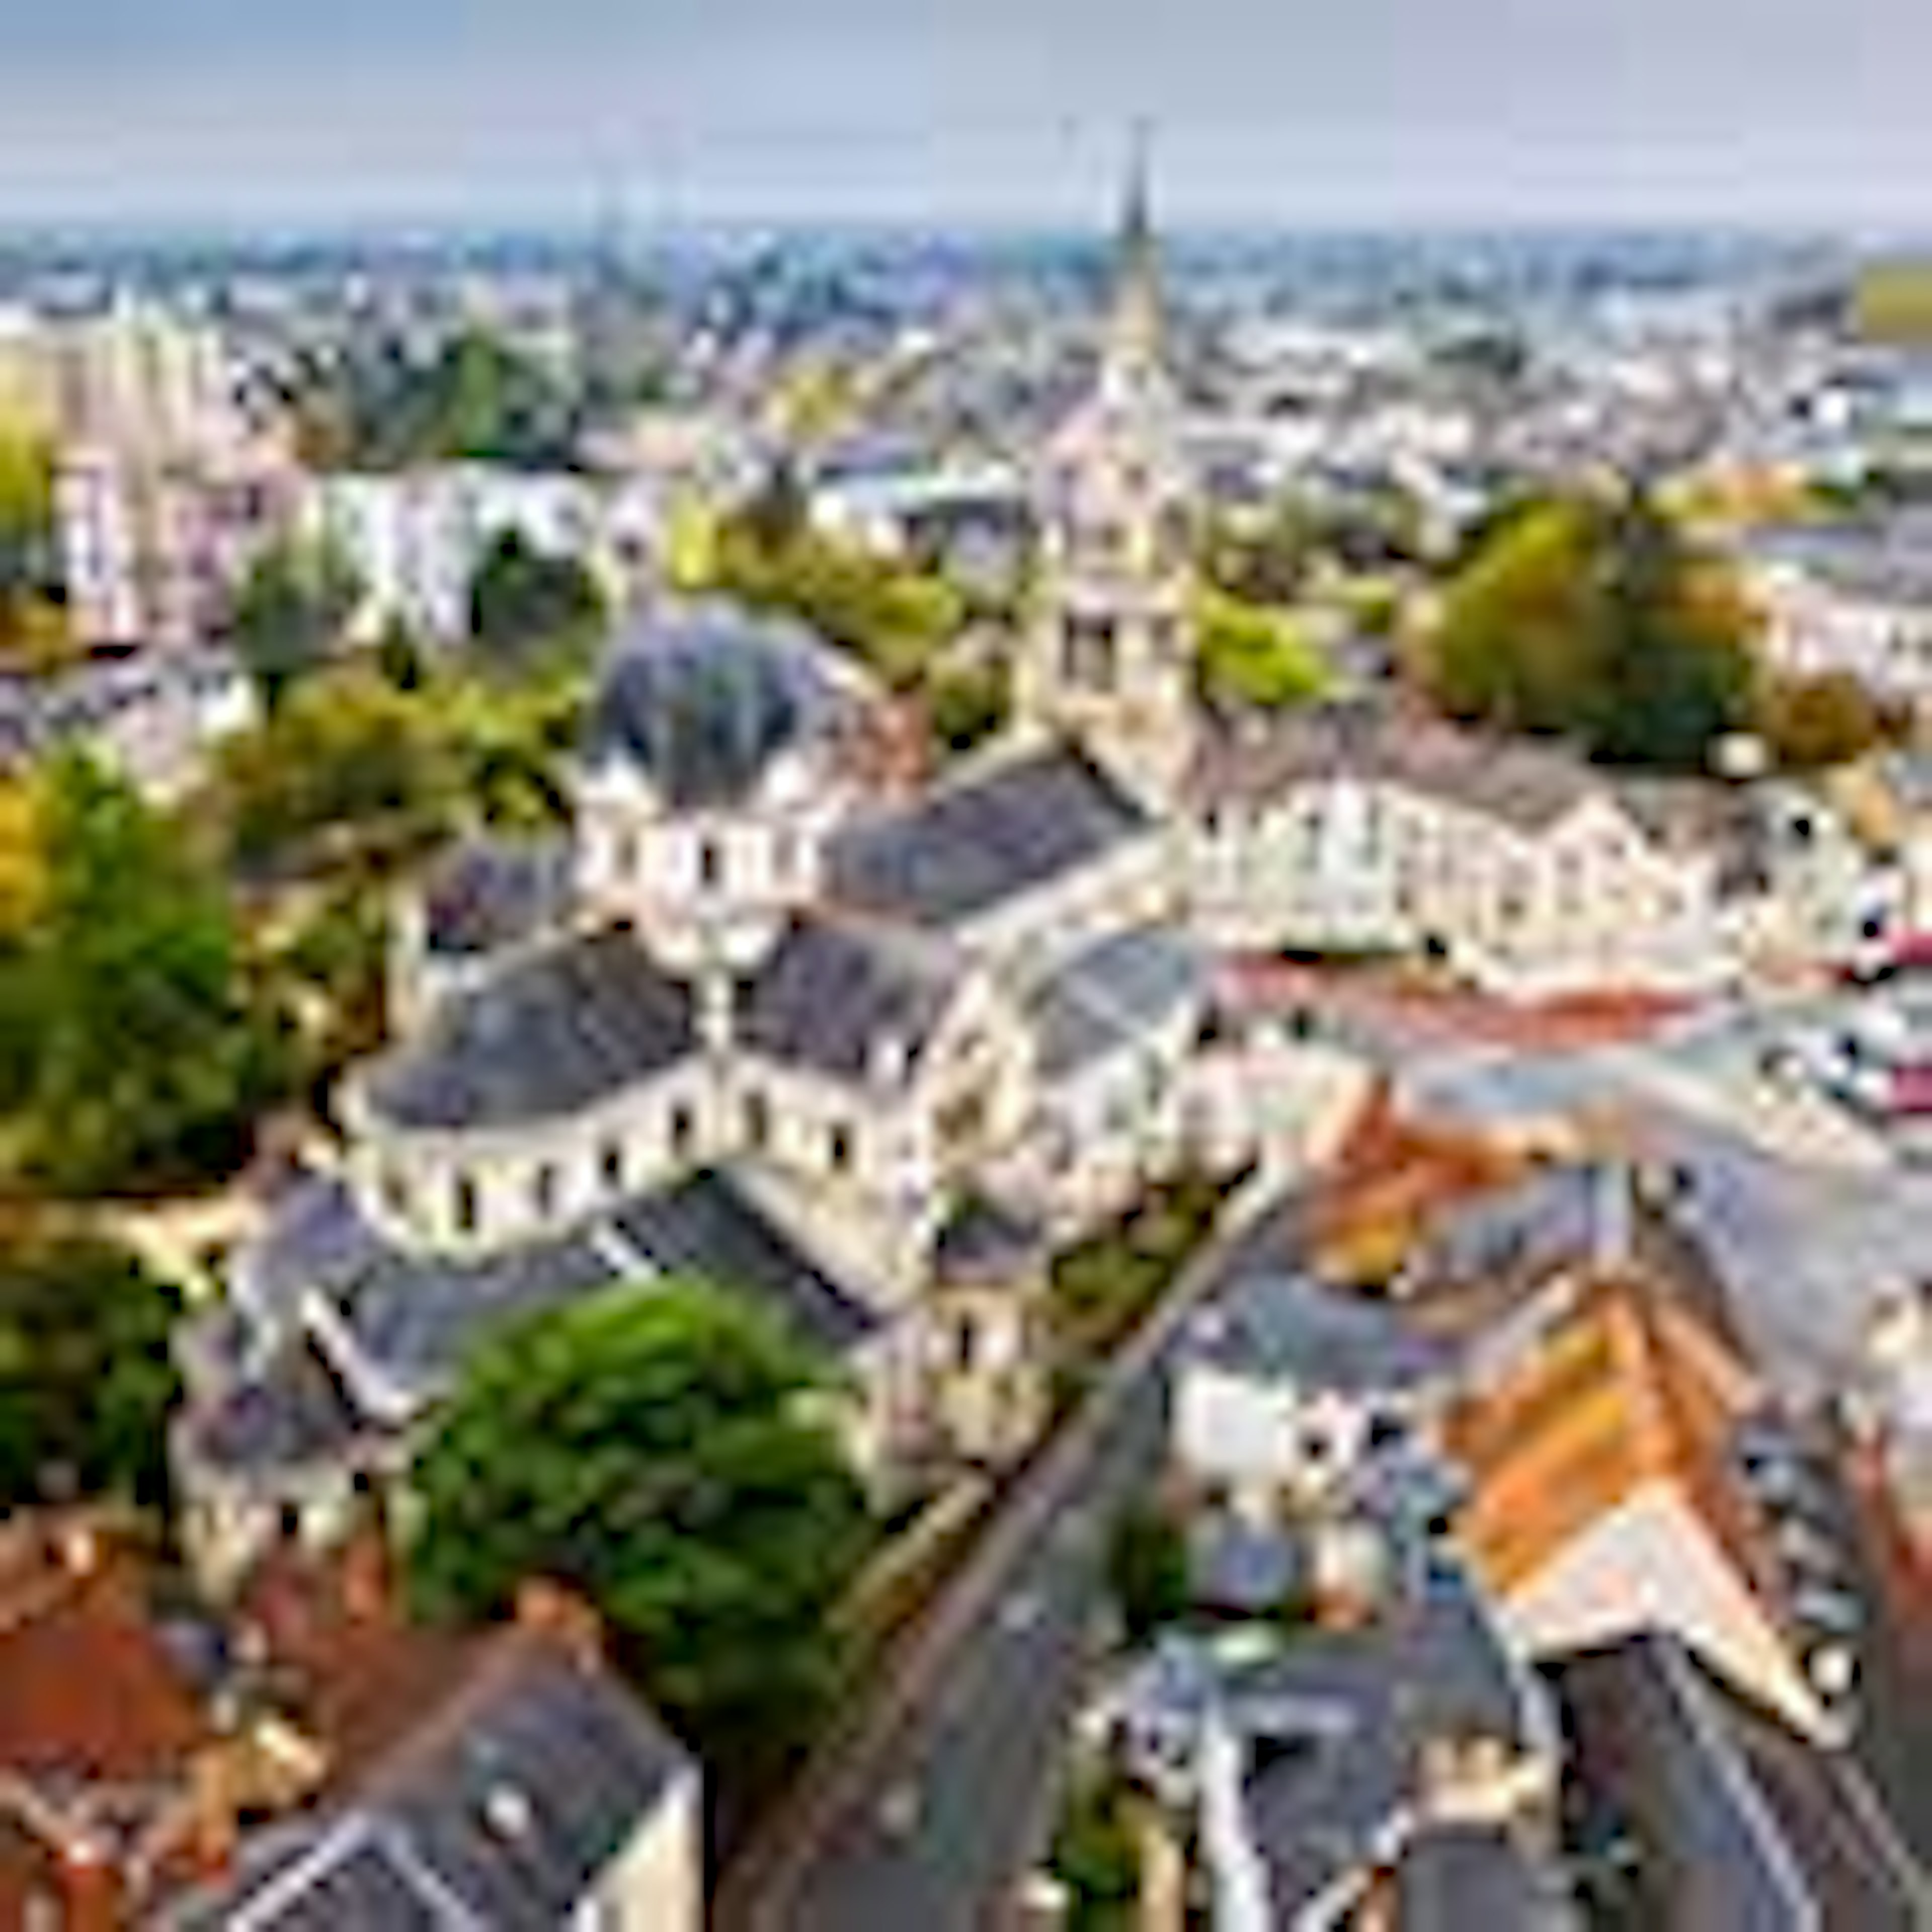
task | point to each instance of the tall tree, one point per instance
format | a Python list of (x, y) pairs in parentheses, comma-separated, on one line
[(1596, 619), (528, 607), (86, 1377), (663, 1449), (290, 615), (132, 1051)]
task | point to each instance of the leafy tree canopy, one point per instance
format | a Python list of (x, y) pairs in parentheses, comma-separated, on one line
[(1596, 619), (527, 607), (1256, 657), (658, 1450), (132, 1051), (290, 615), (86, 1378), (347, 767)]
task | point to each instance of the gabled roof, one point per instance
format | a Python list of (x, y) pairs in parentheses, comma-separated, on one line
[(709, 1226), (502, 1807), (557, 1031), (89, 1693), (845, 998), (964, 851), (1740, 1823), (1112, 995), (1628, 1391)]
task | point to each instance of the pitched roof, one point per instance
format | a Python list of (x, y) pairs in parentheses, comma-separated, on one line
[(557, 1031), (1272, 1324), (502, 1806), (488, 893), (89, 1692), (1341, 1718), (833, 995), (963, 851), (1452, 1877), (710, 1227), (1530, 786), (1740, 1823), (1628, 1391), (1112, 995)]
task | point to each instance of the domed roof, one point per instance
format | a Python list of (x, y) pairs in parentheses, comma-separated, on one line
[(704, 699)]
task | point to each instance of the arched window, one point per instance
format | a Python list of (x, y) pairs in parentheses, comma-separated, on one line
[(465, 1204)]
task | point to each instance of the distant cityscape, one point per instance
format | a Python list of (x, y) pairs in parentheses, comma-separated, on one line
[(859, 1079)]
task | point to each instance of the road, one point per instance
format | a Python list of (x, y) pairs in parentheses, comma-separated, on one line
[(972, 1710)]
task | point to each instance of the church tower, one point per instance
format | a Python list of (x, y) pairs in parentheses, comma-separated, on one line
[(1109, 661)]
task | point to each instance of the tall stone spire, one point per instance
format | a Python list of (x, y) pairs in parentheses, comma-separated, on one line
[(1135, 323)]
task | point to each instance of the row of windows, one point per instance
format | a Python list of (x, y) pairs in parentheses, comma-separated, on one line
[(615, 1173), (788, 857)]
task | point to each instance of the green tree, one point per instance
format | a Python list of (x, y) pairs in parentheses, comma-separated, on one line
[(1254, 657), (347, 768), (664, 1451), (87, 1380), (528, 608), (1595, 619), (1809, 724), (1146, 1571), (968, 705), (894, 618), (288, 616), (133, 1052), (1095, 1853)]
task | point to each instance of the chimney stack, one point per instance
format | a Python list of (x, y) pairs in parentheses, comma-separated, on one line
[(554, 1610)]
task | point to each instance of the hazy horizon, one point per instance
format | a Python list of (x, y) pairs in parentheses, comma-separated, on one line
[(1797, 114)]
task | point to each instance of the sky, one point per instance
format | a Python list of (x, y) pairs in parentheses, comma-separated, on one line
[(1292, 112)]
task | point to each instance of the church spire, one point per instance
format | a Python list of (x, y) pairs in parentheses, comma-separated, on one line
[(1135, 329)]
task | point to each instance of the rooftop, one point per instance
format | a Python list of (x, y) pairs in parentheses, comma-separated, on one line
[(704, 699), (962, 852), (847, 998), (555, 1032)]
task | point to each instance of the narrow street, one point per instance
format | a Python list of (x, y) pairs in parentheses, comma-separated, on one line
[(925, 1811)]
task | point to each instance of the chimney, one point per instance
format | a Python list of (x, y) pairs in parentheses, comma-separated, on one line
[(90, 1889), (367, 1594), (554, 1610)]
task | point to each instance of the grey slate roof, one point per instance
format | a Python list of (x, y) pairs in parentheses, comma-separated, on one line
[(489, 893), (1317, 1794), (963, 851), (703, 699), (502, 1810), (295, 1414), (1455, 1877), (1741, 1825), (1272, 1324), (832, 992), (1112, 995), (557, 1031), (709, 1226), (416, 1316)]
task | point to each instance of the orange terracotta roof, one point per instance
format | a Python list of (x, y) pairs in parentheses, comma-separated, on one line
[(362, 1672), (1632, 1389), (87, 1691)]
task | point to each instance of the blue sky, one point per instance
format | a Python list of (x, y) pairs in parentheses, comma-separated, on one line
[(1297, 111)]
